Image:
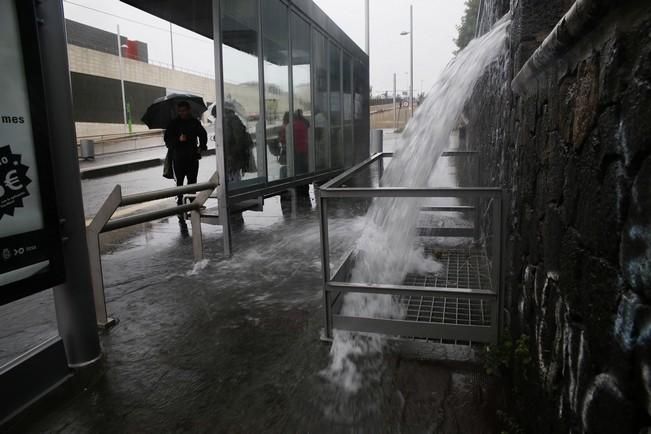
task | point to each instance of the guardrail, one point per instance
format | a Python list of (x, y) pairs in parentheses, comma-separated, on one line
[(104, 222), (463, 303), (120, 136)]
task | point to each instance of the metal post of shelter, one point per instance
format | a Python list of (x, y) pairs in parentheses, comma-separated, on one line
[(73, 299), (220, 150)]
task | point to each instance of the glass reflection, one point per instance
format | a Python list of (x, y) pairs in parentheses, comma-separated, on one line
[(275, 29), (301, 53), (347, 80), (361, 111), (336, 139), (321, 103), (243, 135)]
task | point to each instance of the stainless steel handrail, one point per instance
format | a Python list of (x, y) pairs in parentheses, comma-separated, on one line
[(103, 222), (493, 198), (334, 182), (462, 192), (167, 192)]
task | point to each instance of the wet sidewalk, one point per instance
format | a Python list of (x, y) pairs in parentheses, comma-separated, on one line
[(232, 345), (152, 154)]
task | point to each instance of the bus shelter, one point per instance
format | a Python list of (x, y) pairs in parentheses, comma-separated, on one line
[(292, 91)]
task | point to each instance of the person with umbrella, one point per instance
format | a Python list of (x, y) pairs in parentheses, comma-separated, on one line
[(181, 137)]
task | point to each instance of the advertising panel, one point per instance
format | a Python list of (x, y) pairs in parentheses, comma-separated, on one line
[(30, 245)]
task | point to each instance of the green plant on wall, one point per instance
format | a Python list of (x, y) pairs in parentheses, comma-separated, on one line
[(468, 25), (508, 354), (508, 423)]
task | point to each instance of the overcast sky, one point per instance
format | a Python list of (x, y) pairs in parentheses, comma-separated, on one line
[(435, 24), (434, 30)]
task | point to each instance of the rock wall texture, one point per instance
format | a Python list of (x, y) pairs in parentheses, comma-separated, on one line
[(575, 154)]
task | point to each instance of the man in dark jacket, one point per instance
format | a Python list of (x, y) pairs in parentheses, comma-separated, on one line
[(181, 137)]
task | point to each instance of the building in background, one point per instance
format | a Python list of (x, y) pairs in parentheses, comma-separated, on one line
[(295, 86), (95, 76)]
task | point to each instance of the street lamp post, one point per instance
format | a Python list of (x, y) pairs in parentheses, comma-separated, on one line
[(411, 57), (172, 45), (368, 28), (124, 100), (395, 114)]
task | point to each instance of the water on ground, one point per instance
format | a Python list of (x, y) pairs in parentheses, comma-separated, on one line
[(231, 345)]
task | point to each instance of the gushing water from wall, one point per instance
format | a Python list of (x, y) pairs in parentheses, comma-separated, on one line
[(387, 249)]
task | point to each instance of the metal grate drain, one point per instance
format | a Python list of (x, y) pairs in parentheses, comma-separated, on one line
[(447, 310), (462, 268)]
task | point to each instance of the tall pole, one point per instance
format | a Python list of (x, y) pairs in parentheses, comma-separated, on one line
[(368, 28), (75, 308), (395, 113), (172, 45), (124, 100), (220, 151), (411, 58)]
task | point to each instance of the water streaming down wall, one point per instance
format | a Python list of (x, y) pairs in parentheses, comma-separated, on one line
[(575, 153), (387, 249)]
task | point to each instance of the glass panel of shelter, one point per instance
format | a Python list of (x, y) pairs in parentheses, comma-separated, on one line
[(360, 110), (321, 104), (243, 128), (347, 86), (275, 30), (336, 133), (327, 95), (303, 121)]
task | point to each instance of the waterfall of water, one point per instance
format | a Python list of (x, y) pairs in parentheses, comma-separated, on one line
[(387, 250)]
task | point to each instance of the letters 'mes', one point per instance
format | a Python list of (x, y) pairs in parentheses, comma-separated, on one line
[(12, 119)]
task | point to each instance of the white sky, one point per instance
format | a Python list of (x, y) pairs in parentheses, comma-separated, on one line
[(435, 24), (434, 29)]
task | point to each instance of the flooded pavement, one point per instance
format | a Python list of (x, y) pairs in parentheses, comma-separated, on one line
[(232, 345)]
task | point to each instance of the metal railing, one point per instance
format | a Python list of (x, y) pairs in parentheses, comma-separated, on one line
[(104, 222), (462, 304), (120, 136)]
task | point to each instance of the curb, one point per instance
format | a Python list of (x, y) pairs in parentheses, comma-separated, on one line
[(117, 168), (125, 166)]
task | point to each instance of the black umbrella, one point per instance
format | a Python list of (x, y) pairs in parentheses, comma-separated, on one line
[(163, 110)]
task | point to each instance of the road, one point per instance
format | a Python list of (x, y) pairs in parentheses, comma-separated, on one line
[(95, 191)]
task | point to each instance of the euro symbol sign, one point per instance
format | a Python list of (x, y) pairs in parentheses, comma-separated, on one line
[(12, 181)]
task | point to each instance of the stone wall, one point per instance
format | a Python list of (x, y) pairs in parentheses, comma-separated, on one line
[(575, 154)]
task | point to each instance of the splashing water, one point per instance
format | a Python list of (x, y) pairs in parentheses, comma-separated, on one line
[(387, 249), (197, 267)]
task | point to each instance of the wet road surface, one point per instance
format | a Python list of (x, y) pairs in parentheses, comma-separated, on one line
[(95, 191), (231, 345)]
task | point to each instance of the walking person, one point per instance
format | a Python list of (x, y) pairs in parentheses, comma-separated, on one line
[(185, 138)]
